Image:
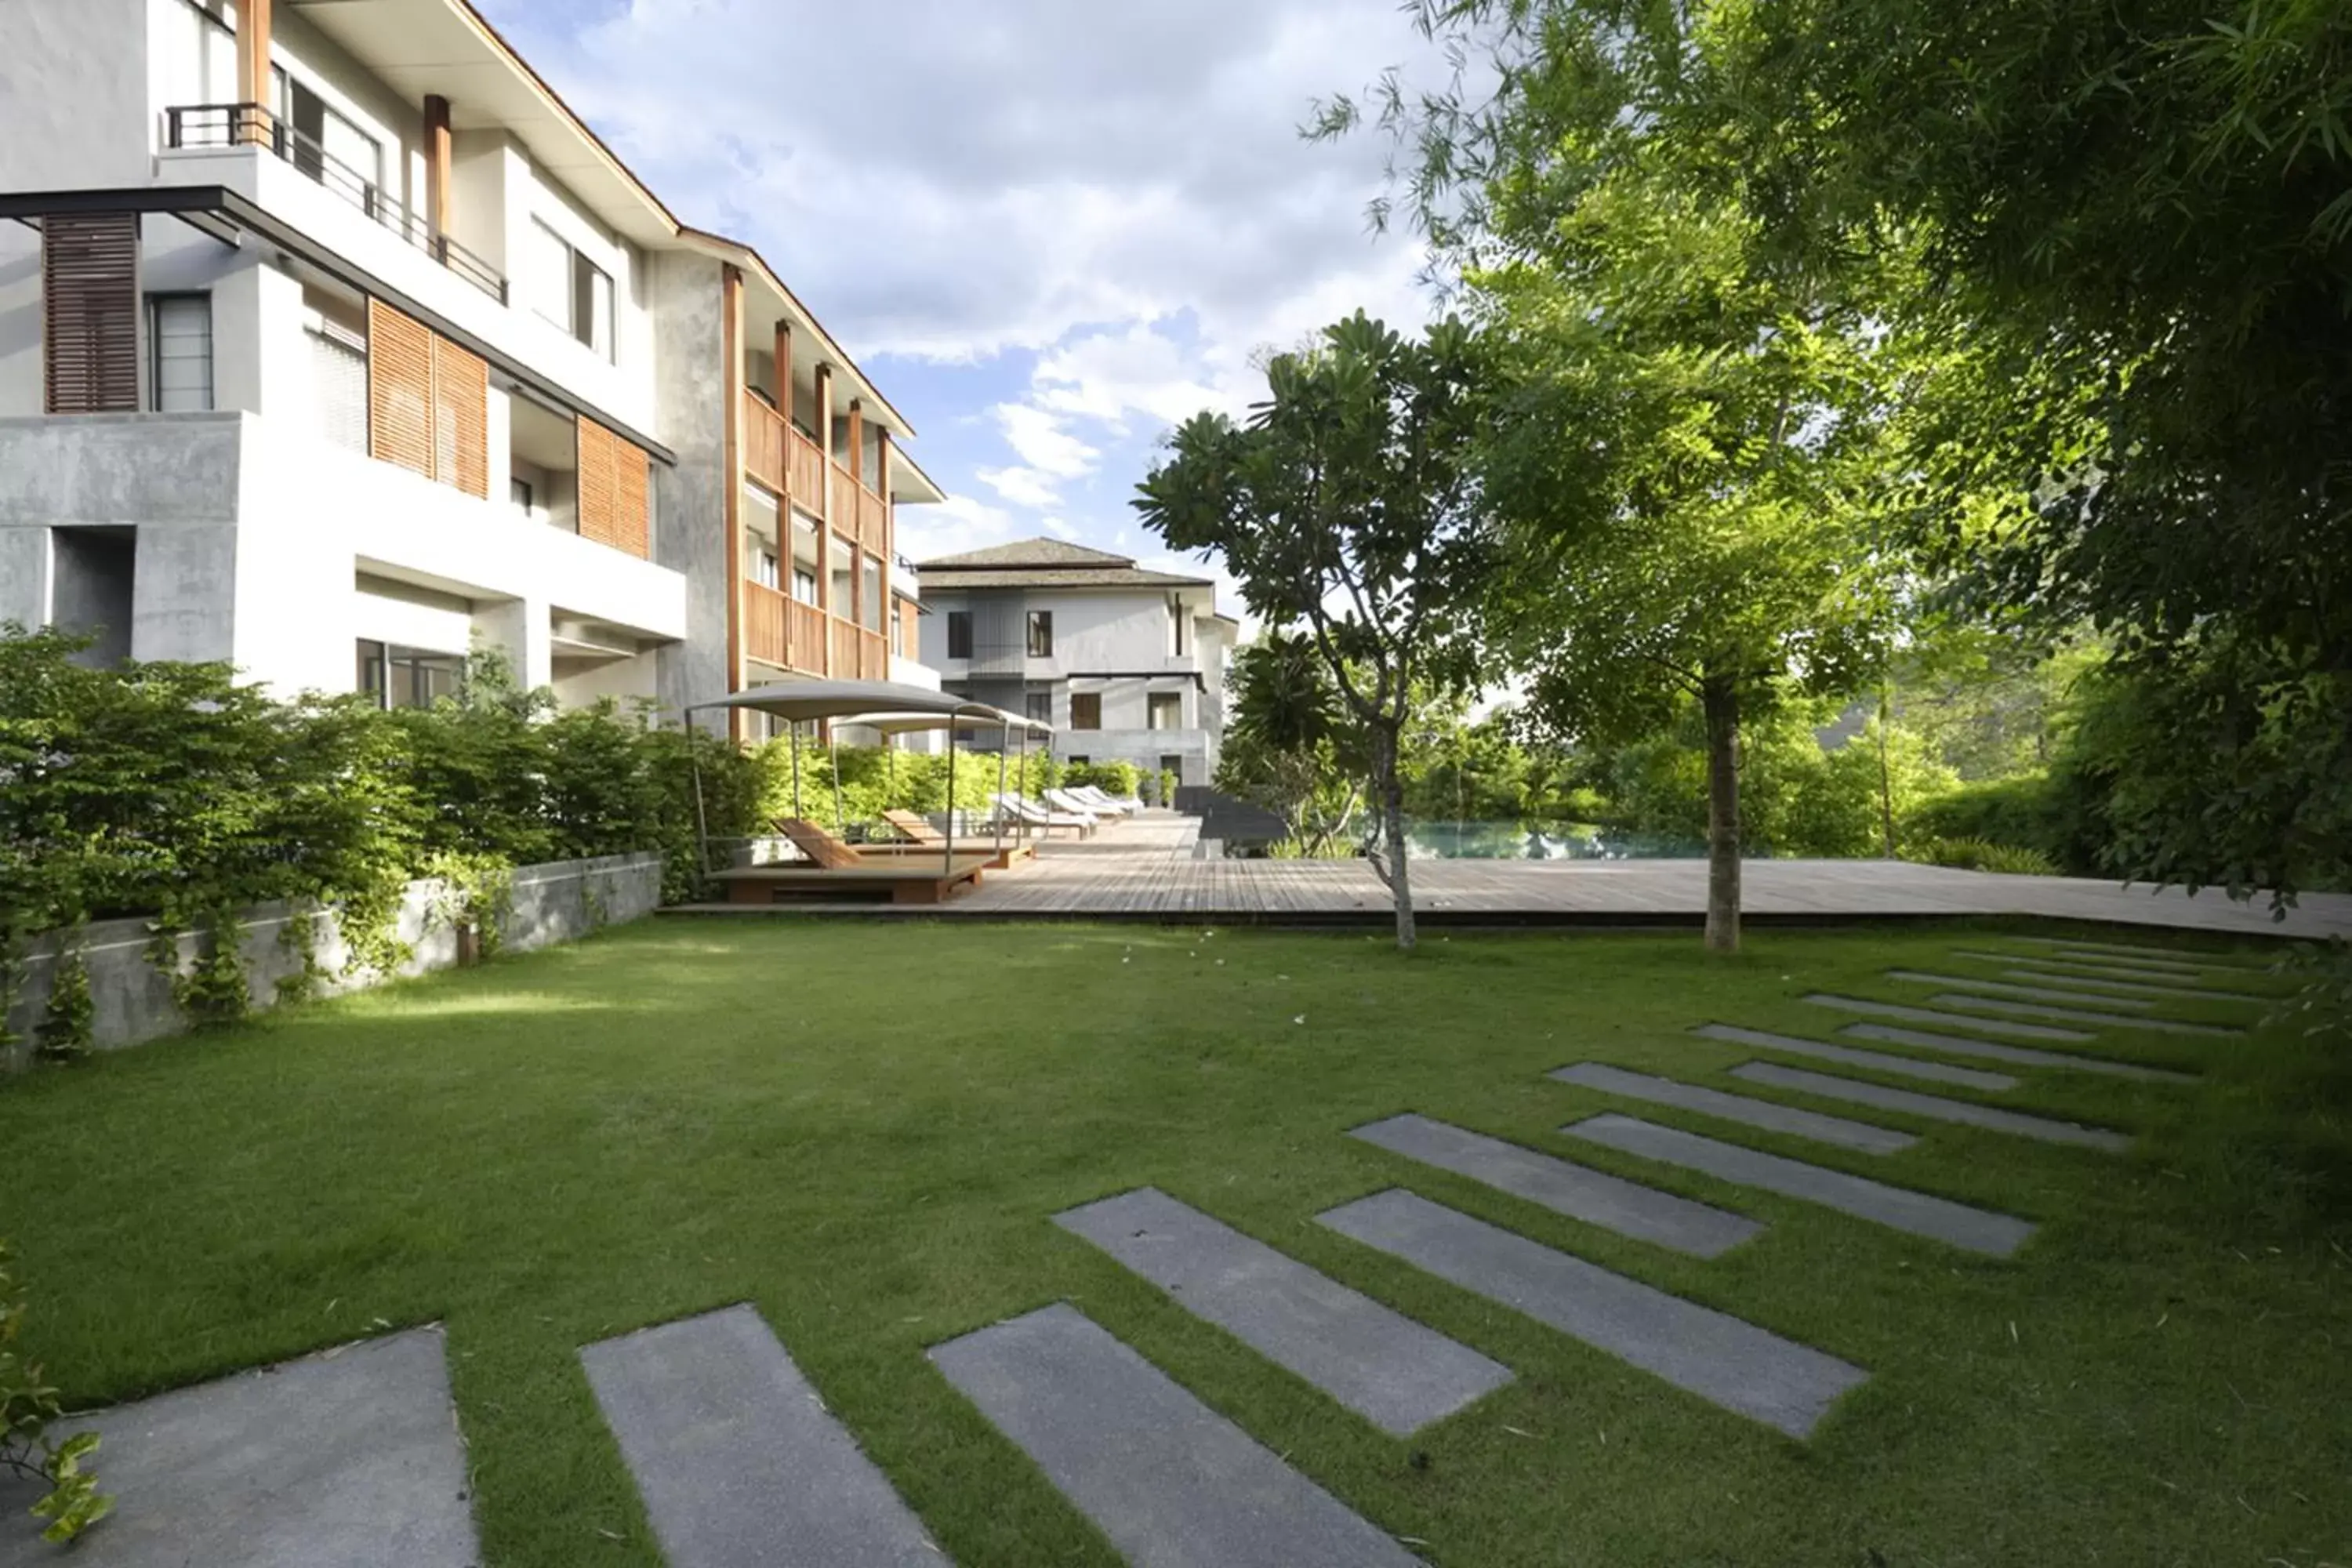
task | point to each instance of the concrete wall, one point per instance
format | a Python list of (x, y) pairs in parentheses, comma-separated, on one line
[(691, 388), (73, 94), (556, 902)]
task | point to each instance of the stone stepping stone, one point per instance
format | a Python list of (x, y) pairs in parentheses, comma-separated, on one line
[(2097, 977), (1899, 1209), (736, 1457), (347, 1459), (1718, 1357), (1934, 1106), (1764, 1113), (1380, 1365), (1578, 1192), (1958, 1020), (2021, 1055), (2079, 1015), (1171, 1483), (2023, 993), (1876, 1061), (2160, 957)]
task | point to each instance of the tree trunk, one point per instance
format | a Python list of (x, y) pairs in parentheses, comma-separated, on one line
[(1391, 798), (1721, 701)]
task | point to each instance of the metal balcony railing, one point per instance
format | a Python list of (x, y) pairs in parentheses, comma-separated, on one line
[(251, 125)]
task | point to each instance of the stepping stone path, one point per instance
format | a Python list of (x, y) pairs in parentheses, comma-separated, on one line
[(1383, 1366), (2022, 1055), (1934, 1106), (1876, 1061), (1763, 1113), (1578, 1192), (2077, 1016), (1716, 1356), (1171, 1483), (1929, 1015), (349, 1460), (2024, 993), (1937, 1219), (2154, 957), (738, 1462), (2099, 977)]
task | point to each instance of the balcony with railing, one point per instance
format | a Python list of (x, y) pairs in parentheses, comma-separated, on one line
[(224, 125)]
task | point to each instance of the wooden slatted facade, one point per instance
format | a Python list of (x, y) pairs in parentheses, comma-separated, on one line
[(89, 313), (401, 405), (615, 481), (461, 419)]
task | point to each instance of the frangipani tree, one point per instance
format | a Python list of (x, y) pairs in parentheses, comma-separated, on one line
[(1350, 508)]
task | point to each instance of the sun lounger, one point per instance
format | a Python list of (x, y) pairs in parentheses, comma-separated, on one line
[(1029, 814), (1094, 796), (917, 829), (1077, 804)]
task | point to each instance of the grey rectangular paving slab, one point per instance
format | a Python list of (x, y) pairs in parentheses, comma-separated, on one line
[(348, 1459), (1380, 1365), (2024, 1056), (2162, 957), (1578, 1192), (1876, 1061), (1171, 1482), (1899, 1209), (1739, 1108), (738, 1462), (1714, 1355), (1935, 1106), (2052, 992), (2106, 977), (2079, 1015), (1929, 1015)]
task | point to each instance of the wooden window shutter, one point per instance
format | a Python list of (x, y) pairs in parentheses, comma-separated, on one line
[(631, 479), (461, 419), (89, 313), (598, 519), (400, 407)]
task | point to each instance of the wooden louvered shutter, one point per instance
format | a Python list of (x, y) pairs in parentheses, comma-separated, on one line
[(89, 309), (598, 519), (461, 419), (400, 390), (631, 476)]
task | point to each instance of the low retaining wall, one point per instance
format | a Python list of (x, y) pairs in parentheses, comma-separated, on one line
[(558, 901)]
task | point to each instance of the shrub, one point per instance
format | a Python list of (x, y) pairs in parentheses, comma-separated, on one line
[(72, 1501), (1982, 855), (1167, 787)]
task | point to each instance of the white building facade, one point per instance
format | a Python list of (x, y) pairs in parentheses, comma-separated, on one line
[(334, 345), (1127, 664)]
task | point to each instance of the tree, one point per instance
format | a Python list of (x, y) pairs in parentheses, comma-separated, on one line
[(1349, 506), (1291, 745), (1725, 544)]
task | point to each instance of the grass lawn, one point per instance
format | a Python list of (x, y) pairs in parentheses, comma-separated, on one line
[(863, 1131)]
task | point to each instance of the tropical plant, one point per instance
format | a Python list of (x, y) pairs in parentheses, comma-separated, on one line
[(70, 1501), (1349, 507)]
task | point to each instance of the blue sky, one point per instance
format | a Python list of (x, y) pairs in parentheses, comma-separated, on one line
[(1047, 228)]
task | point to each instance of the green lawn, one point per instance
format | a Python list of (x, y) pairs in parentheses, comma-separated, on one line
[(863, 1128)]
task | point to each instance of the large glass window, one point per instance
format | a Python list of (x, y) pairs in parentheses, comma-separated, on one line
[(407, 677), (873, 604), (1166, 710), (1039, 706), (1085, 709), (1041, 633), (180, 352), (567, 289), (958, 634)]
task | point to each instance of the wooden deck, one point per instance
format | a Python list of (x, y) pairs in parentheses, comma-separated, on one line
[(1146, 871)]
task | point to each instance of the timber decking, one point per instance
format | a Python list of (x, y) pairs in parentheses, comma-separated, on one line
[(1146, 869)]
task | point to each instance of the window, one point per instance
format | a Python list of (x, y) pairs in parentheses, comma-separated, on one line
[(1170, 763), (568, 289), (958, 634), (1041, 633), (1178, 620), (1077, 761), (407, 677), (766, 570), (1165, 710), (873, 604), (180, 352), (1039, 706), (327, 146), (519, 491), (1086, 711), (803, 583)]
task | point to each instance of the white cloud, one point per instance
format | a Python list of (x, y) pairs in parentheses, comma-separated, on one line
[(955, 524), (1022, 487)]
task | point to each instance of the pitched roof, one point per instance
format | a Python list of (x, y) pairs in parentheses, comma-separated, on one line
[(1027, 553), (1055, 577)]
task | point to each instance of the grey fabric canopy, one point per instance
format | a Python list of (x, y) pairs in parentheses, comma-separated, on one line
[(915, 724), (799, 701)]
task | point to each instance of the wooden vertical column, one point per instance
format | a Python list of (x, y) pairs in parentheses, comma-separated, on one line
[(253, 83), (436, 165), (824, 508), (882, 488), (857, 538), (785, 479), (731, 472)]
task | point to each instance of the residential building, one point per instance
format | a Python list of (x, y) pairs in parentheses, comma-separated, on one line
[(334, 345), (1127, 665)]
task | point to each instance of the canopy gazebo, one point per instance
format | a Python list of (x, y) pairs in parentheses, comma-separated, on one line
[(907, 873)]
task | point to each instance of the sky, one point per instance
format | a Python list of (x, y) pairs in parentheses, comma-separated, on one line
[(1047, 229)]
